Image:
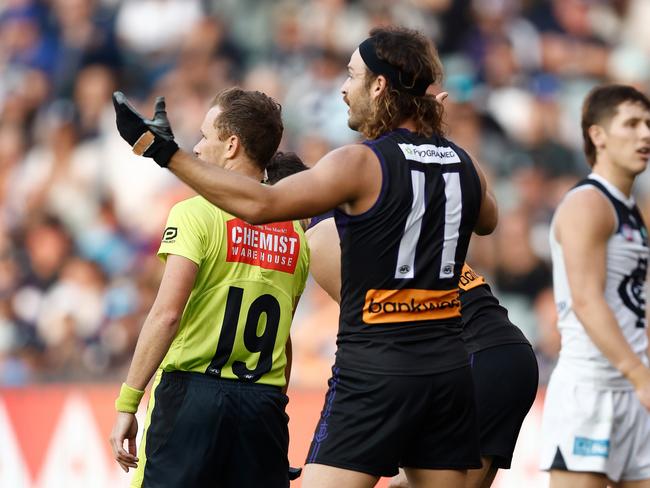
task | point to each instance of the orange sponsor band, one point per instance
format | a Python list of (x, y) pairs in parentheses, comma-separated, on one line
[(409, 305), (469, 278)]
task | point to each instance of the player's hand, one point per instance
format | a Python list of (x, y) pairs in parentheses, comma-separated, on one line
[(640, 378), (440, 97), (125, 428), (152, 138), (643, 393)]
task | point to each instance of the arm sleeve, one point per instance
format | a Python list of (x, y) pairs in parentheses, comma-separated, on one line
[(186, 233)]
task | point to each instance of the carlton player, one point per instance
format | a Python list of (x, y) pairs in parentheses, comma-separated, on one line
[(596, 422), (218, 330)]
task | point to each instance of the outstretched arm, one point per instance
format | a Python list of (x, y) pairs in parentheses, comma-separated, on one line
[(329, 184), (349, 176)]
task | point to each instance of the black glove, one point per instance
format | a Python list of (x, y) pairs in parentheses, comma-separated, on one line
[(294, 473), (152, 138)]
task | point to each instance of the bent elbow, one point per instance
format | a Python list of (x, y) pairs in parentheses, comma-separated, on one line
[(168, 321), (488, 216), (580, 303), (484, 230), (486, 227)]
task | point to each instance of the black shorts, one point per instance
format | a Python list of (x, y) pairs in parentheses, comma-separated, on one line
[(375, 423), (505, 379), (211, 432)]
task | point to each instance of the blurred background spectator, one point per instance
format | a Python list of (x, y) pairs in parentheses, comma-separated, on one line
[(81, 217)]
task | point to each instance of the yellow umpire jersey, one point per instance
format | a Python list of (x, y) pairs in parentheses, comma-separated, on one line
[(236, 321)]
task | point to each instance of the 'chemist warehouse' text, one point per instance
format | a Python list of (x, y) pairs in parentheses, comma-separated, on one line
[(270, 246)]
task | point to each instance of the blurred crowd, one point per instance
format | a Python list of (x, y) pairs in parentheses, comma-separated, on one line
[(81, 217)]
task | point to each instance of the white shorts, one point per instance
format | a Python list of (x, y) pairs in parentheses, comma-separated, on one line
[(586, 429)]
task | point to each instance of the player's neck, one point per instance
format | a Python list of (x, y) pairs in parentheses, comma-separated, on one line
[(616, 176), (408, 124), (244, 167)]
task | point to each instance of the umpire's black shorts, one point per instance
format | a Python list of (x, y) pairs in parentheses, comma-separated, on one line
[(505, 379), (206, 432), (376, 423)]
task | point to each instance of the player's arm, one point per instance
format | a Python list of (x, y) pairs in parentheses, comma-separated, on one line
[(325, 264), (646, 286), (647, 314), (583, 225), (647, 310), (338, 178), (349, 176), (162, 322), (489, 213), (153, 343)]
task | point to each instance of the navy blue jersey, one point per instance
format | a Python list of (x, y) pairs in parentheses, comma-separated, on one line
[(401, 260), (485, 321)]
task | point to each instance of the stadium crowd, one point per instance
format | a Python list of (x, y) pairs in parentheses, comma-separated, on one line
[(80, 221)]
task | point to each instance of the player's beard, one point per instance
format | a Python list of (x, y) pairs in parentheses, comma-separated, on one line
[(361, 111)]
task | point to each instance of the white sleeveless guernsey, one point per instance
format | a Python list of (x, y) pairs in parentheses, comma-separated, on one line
[(625, 292)]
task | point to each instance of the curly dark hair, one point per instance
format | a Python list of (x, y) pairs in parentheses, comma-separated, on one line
[(414, 56)]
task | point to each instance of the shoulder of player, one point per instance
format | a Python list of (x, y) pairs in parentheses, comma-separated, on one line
[(191, 202), (586, 209), (347, 170), (350, 155), (198, 207)]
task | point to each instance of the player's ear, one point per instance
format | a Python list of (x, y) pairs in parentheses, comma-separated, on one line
[(233, 145), (597, 135), (378, 85)]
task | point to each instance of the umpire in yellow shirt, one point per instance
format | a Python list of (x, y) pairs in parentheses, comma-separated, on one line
[(218, 331)]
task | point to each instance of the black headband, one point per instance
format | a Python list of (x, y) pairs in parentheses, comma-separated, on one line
[(368, 51)]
